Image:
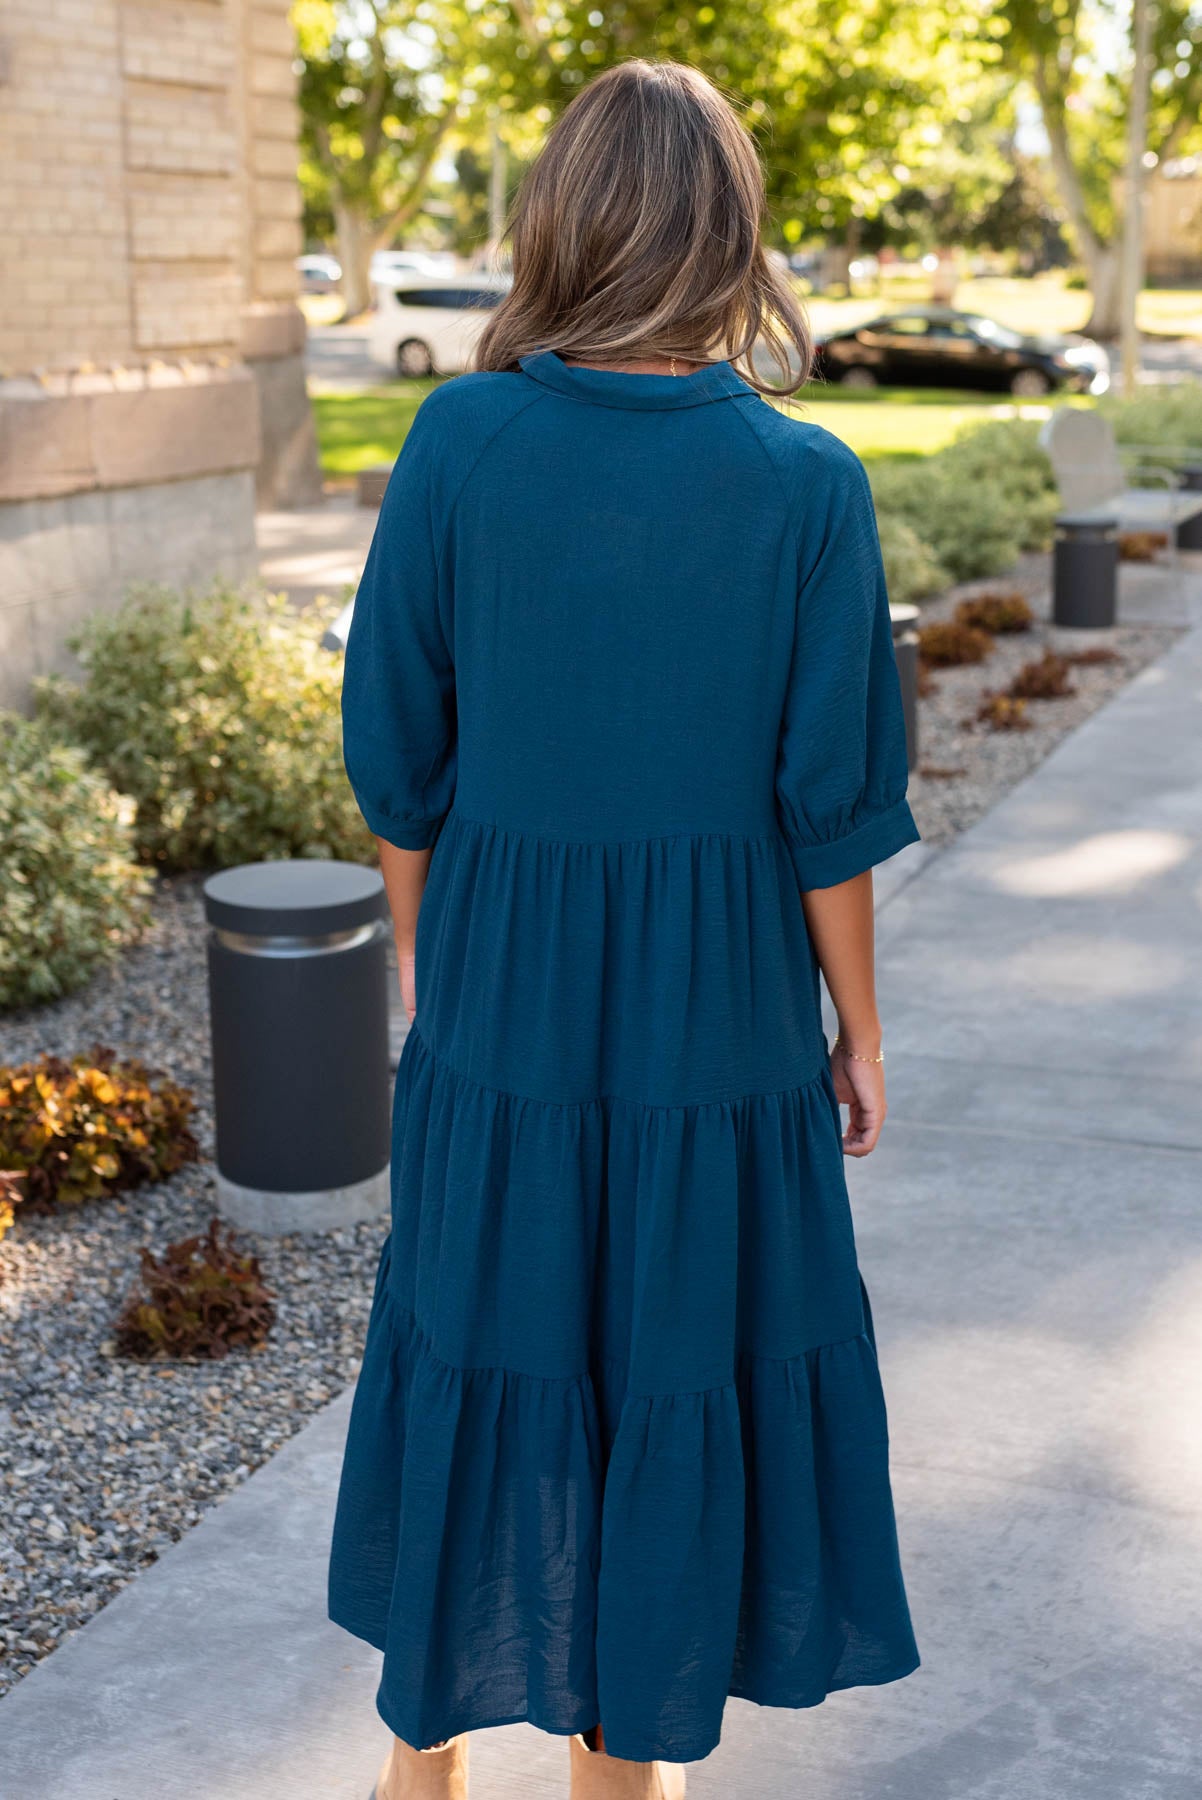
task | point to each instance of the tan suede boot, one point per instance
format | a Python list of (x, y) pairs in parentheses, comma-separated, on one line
[(599, 1776), (410, 1774)]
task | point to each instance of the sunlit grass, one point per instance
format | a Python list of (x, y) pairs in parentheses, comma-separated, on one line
[(361, 429), (357, 430), (1174, 311), (1045, 304), (904, 421), (322, 309)]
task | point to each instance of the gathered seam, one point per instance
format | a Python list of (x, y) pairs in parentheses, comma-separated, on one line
[(743, 1358), (500, 1093), (663, 837)]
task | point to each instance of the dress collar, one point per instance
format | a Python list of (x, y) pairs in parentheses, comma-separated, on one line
[(609, 387)]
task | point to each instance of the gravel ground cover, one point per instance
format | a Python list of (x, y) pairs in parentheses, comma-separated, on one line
[(964, 767), (104, 1462)]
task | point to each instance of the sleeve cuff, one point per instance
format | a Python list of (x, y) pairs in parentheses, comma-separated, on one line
[(882, 836), (415, 834)]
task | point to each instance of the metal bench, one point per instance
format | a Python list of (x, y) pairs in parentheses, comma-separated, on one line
[(1103, 495), (1093, 478)]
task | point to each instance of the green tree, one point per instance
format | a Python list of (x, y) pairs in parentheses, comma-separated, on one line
[(855, 103), (1077, 59), (382, 83), (849, 100), (878, 101)]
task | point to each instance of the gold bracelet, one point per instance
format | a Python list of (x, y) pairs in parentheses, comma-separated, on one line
[(851, 1055)]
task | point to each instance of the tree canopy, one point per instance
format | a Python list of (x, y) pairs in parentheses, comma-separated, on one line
[(382, 82), (878, 120), (1077, 58)]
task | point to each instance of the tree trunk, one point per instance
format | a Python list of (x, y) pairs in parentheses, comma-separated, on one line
[(1100, 257), (398, 219), (838, 258), (1103, 261), (355, 243), (1132, 240)]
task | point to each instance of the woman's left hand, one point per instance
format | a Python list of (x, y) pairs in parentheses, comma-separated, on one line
[(860, 1086)]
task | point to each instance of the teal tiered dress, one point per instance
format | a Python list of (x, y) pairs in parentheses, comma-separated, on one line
[(622, 655)]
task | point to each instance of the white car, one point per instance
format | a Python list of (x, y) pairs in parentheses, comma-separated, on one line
[(318, 273), (391, 265), (428, 325)]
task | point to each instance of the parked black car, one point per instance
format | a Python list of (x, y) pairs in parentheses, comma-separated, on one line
[(932, 346)]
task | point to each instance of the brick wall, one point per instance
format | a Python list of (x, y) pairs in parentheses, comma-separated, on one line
[(273, 195), (62, 206), (151, 352), (150, 193)]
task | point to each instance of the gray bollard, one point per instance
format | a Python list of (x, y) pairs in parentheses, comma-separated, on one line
[(1085, 565), (299, 1016), (905, 650), (1189, 532)]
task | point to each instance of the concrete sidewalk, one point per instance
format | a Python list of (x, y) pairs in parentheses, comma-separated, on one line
[(315, 552), (1031, 1232)]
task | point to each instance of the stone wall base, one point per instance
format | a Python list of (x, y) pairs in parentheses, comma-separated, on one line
[(65, 557), (273, 349), (121, 428), (289, 473)]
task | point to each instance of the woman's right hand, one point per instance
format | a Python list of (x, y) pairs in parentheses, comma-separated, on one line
[(860, 1086), (839, 920)]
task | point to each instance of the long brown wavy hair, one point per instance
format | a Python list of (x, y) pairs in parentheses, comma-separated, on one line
[(636, 234)]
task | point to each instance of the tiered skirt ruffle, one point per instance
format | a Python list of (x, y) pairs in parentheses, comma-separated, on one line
[(618, 1447)]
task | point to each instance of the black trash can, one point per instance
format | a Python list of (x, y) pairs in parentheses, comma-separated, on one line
[(1189, 532), (904, 620), (1085, 567), (299, 1015)]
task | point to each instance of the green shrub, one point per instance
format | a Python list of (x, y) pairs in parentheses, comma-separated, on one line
[(977, 503), (74, 1129), (1158, 418), (912, 571), (218, 715), (1006, 456), (70, 892), (969, 527), (202, 1298)]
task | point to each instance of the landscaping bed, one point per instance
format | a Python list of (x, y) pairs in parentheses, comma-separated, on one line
[(108, 1461), (964, 767)]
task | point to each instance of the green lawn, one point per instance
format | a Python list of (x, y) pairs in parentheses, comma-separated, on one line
[(905, 421), (356, 430)]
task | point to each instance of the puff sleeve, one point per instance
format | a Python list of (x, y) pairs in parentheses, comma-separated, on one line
[(398, 690), (841, 764)]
